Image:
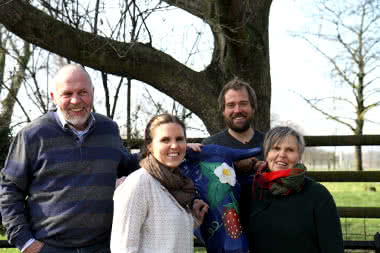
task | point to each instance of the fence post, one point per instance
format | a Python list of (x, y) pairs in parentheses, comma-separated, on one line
[(377, 242)]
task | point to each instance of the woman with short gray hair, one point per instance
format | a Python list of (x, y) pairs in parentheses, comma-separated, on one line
[(290, 212)]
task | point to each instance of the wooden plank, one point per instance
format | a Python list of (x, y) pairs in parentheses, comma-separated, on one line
[(359, 212), (344, 176), (342, 140)]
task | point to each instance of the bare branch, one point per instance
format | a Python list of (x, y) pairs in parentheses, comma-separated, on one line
[(328, 115)]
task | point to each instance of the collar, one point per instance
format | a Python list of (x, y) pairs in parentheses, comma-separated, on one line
[(65, 124), (245, 137)]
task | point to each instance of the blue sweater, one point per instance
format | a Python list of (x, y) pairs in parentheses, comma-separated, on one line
[(58, 189)]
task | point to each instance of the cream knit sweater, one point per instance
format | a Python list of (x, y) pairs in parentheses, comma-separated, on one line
[(147, 218)]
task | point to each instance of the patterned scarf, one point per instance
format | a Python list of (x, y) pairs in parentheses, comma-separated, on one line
[(280, 182), (181, 187)]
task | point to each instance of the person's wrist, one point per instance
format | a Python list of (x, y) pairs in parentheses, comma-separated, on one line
[(196, 196)]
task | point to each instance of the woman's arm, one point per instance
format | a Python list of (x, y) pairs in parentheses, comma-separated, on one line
[(327, 223), (130, 210)]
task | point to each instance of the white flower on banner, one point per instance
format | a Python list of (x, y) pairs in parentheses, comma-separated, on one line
[(226, 174)]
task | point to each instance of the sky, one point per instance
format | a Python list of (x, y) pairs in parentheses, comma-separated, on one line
[(298, 68)]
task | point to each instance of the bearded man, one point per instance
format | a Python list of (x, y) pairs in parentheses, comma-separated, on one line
[(57, 184), (238, 103)]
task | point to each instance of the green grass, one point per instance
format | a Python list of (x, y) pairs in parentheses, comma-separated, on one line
[(357, 195), (7, 250), (345, 195)]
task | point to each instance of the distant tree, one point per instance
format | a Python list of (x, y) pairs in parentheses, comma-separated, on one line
[(348, 36), (10, 83), (372, 157), (319, 159)]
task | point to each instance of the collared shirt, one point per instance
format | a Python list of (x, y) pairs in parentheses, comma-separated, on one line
[(78, 133)]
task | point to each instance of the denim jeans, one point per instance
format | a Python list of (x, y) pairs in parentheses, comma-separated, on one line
[(96, 248)]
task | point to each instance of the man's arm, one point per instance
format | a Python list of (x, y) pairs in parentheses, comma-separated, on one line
[(129, 163), (13, 192)]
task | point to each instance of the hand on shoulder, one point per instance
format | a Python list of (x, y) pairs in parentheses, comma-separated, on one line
[(197, 147)]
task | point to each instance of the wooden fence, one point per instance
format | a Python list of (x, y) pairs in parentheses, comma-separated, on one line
[(327, 176)]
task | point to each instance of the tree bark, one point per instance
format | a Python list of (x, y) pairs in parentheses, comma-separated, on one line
[(8, 103)]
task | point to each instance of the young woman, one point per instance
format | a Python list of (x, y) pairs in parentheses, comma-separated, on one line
[(153, 207), (290, 212)]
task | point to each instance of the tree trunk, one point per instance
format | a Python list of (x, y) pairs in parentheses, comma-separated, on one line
[(358, 158), (8, 103)]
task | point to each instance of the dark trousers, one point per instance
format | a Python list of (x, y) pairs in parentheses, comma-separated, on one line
[(96, 248)]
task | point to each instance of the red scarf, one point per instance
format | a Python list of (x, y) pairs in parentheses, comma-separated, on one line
[(279, 182)]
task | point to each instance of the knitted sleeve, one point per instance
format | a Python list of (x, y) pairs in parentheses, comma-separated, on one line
[(13, 188), (327, 222), (131, 202), (129, 162)]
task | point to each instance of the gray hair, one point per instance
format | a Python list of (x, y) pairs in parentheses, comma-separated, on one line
[(237, 84), (277, 134), (70, 68)]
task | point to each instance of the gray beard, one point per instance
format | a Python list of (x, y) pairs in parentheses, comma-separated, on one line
[(76, 121)]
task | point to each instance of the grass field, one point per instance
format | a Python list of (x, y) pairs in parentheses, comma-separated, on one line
[(345, 195), (357, 195)]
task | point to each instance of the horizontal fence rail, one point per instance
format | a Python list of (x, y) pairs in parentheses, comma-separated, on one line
[(5, 245), (344, 176), (342, 140), (359, 212), (310, 141)]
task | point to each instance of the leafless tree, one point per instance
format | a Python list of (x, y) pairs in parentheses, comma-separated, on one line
[(348, 37), (10, 83)]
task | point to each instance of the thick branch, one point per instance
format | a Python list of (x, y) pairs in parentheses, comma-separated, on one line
[(202, 9), (133, 60)]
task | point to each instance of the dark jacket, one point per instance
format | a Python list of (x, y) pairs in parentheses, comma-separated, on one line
[(307, 221)]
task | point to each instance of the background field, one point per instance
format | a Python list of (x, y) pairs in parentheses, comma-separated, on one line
[(345, 194), (357, 195)]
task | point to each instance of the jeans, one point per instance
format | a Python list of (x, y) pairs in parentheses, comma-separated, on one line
[(96, 248)]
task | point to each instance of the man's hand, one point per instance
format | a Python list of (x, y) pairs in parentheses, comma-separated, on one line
[(35, 247), (243, 167), (119, 181), (248, 166), (197, 147)]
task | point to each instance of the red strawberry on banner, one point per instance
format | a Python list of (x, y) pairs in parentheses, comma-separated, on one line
[(231, 219)]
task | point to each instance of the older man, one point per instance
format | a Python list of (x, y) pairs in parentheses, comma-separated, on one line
[(58, 181)]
